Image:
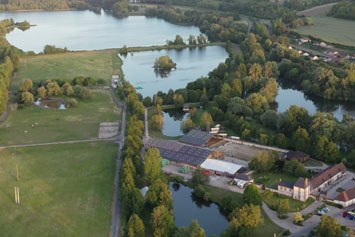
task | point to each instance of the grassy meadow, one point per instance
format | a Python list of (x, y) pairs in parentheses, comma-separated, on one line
[(99, 64), (331, 29), (51, 125), (65, 190)]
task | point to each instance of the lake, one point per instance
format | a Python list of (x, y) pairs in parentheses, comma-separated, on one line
[(191, 63), (172, 122), (86, 30), (188, 208), (290, 96)]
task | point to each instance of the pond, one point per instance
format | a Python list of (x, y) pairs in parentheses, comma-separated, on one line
[(191, 63), (172, 122), (86, 30), (290, 96), (188, 208)]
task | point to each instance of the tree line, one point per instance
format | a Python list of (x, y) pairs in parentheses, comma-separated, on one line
[(9, 61), (344, 9)]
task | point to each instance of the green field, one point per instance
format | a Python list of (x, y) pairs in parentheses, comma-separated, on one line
[(65, 190), (331, 29), (81, 122), (273, 179), (98, 64)]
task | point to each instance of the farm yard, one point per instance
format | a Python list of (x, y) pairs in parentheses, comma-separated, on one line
[(65, 190), (330, 29), (37, 125), (243, 152), (98, 64)]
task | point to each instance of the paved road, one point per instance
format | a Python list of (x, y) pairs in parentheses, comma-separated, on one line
[(57, 143), (146, 134), (116, 210)]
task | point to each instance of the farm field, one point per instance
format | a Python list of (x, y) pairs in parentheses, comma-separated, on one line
[(52, 125), (65, 190), (331, 29), (99, 64)]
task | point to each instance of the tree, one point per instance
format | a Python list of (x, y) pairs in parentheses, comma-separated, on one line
[(162, 222), (68, 89), (199, 177), (301, 140), (147, 102), (295, 168), (27, 98), (244, 220), (135, 227), (264, 161), (201, 39), (152, 167), (329, 227), (187, 125), (206, 120), (283, 207), (179, 40), (196, 230), (178, 100), (298, 218), (164, 63), (238, 106), (204, 98), (255, 71), (53, 89), (120, 8), (192, 40), (72, 103), (42, 92), (27, 85), (252, 195), (159, 194)]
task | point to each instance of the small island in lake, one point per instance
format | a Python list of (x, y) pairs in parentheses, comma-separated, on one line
[(164, 64)]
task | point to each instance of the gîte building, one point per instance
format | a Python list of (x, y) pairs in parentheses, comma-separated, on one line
[(303, 188)]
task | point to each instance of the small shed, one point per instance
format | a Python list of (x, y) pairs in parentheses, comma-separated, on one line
[(186, 108)]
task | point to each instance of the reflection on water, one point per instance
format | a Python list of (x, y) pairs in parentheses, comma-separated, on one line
[(288, 95), (190, 65), (85, 30), (172, 122), (188, 208)]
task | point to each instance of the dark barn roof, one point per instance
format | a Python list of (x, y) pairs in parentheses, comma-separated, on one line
[(181, 153), (295, 155), (286, 184), (196, 137), (244, 177)]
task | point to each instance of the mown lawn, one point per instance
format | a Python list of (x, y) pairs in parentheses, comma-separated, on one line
[(331, 29), (65, 190), (98, 64), (273, 179), (295, 205), (50, 125)]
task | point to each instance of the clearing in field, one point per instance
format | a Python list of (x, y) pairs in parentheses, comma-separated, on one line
[(39, 125), (98, 64), (65, 190), (331, 29)]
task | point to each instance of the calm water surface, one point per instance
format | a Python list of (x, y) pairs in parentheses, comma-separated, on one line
[(172, 122), (86, 30), (190, 65), (188, 208), (289, 96)]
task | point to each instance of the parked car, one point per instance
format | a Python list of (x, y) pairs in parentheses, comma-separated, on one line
[(325, 209), (320, 213), (349, 214)]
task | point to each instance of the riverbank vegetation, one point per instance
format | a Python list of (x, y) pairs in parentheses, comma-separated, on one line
[(64, 189)]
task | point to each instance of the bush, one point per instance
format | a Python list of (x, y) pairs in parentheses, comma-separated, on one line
[(286, 232), (72, 103), (333, 204)]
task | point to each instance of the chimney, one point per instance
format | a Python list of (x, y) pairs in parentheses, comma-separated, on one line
[(306, 182)]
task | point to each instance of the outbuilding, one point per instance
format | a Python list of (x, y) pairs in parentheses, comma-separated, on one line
[(221, 166)]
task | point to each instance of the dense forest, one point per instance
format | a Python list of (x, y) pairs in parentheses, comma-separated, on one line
[(240, 92), (344, 9)]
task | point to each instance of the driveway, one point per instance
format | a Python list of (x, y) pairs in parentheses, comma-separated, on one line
[(345, 183)]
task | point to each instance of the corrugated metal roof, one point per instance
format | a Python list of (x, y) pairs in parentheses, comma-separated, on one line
[(220, 166), (196, 137)]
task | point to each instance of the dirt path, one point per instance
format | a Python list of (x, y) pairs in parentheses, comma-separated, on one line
[(116, 208), (316, 11), (58, 143)]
